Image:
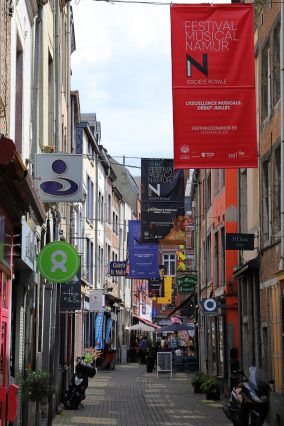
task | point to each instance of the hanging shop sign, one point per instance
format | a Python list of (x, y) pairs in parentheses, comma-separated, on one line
[(96, 300), (168, 290), (156, 287), (209, 306), (59, 177), (58, 262), (70, 296), (213, 86), (118, 268), (162, 202), (239, 241), (186, 283)]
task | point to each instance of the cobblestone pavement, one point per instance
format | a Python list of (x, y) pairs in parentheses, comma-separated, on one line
[(129, 396)]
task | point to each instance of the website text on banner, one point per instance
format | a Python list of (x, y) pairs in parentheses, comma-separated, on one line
[(214, 111)]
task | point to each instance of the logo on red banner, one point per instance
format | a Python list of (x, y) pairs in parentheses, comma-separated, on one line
[(214, 110)]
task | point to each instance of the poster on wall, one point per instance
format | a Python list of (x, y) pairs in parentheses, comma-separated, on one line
[(162, 202), (213, 86)]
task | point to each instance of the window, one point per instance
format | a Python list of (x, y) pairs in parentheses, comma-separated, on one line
[(277, 190), (208, 258), (222, 256), (276, 64), (101, 207), (265, 83), (90, 199), (90, 256), (222, 178), (109, 209), (208, 191), (266, 202), (216, 181), (169, 264), (216, 259)]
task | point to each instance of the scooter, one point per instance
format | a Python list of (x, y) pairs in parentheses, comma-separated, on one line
[(74, 396), (249, 400)]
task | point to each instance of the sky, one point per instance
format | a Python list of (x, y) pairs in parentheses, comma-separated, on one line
[(122, 70)]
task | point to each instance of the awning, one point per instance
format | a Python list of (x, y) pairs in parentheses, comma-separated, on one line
[(182, 305), (248, 266), (146, 322)]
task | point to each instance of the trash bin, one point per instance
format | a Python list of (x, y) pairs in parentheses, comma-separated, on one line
[(149, 364)]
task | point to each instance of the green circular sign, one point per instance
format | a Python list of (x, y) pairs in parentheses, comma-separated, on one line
[(58, 261)]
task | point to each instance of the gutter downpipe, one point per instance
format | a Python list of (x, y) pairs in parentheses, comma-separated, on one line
[(239, 279), (68, 85), (281, 264), (206, 271), (58, 145), (35, 109)]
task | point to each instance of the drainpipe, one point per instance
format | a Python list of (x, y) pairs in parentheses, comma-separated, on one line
[(281, 265), (68, 67), (35, 110), (57, 19)]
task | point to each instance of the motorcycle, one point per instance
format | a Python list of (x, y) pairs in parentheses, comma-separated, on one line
[(74, 396), (249, 400)]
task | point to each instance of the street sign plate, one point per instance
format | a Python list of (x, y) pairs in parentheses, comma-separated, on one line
[(58, 262)]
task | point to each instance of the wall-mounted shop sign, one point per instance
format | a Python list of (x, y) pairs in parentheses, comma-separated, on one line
[(59, 177), (58, 262), (29, 247), (239, 241), (186, 283), (118, 269)]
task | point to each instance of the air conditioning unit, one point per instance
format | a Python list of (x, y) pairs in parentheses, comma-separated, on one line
[(48, 149)]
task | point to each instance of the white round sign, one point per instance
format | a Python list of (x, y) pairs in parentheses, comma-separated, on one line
[(210, 305)]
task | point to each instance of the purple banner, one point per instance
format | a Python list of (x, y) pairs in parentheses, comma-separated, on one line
[(143, 258)]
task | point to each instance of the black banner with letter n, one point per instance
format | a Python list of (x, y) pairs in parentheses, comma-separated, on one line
[(239, 241), (162, 202)]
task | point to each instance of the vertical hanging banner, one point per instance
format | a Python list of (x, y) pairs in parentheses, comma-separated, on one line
[(162, 202), (99, 330), (143, 258), (213, 78)]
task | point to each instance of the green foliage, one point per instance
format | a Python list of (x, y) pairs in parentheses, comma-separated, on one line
[(211, 385), (91, 354), (36, 385), (199, 378)]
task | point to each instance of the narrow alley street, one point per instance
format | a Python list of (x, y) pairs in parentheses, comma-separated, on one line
[(128, 396)]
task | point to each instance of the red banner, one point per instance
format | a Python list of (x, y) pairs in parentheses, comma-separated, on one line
[(214, 111)]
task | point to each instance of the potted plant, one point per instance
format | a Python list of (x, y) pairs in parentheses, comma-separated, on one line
[(211, 387), (36, 387), (197, 381), (91, 355)]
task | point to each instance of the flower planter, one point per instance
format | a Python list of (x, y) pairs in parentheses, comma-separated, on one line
[(197, 387), (213, 396)]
